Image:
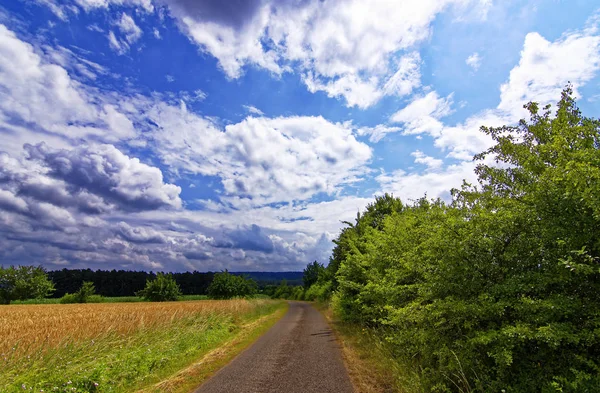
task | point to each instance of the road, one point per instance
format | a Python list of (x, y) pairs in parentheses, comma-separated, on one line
[(299, 354)]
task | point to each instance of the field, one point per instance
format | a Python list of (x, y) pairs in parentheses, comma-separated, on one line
[(119, 347)]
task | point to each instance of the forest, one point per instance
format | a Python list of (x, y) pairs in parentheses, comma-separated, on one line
[(497, 290)]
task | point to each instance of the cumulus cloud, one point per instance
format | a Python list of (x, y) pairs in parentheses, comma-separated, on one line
[(345, 48), (546, 67), (103, 170), (264, 159), (429, 162), (543, 71), (40, 94)]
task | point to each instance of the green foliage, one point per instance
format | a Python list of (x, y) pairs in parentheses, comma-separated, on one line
[(85, 294), (227, 286), (311, 273), (162, 289), (500, 289), (24, 282), (320, 291)]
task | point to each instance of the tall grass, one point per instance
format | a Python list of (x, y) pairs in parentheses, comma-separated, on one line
[(112, 347)]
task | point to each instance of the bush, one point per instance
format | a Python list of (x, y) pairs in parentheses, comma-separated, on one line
[(227, 286), (320, 291), (85, 294), (163, 288)]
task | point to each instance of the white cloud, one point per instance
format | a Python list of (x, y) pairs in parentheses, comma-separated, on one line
[(378, 132), (345, 48), (89, 5), (474, 61), (119, 46), (434, 183), (429, 162), (543, 71), (546, 67), (406, 78), (422, 115), (170, 78), (268, 160), (129, 29), (156, 33), (253, 110), (43, 96)]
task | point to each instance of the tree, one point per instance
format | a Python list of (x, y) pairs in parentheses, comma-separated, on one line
[(163, 288), (312, 273), (498, 290), (24, 282), (226, 286)]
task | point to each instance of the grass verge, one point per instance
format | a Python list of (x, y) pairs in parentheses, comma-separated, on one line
[(186, 380), (124, 347), (369, 360)]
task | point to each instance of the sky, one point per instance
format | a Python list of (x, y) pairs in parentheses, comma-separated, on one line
[(176, 135)]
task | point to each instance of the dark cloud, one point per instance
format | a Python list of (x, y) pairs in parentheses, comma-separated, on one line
[(104, 171), (232, 13), (252, 239), (196, 255)]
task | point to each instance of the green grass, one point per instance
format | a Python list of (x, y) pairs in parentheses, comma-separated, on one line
[(124, 364)]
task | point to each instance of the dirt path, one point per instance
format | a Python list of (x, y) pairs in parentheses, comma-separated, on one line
[(298, 355)]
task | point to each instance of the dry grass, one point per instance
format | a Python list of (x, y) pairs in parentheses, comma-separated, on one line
[(369, 367), (30, 329)]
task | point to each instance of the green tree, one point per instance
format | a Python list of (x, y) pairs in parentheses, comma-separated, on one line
[(312, 273), (226, 286), (24, 282), (500, 289), (161, 289)]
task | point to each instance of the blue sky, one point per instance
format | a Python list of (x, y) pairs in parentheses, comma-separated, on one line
[(181, 135)]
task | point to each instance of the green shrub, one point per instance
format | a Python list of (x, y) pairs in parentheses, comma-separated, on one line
[(226, 286), (163, 288), (85, 294), (320, 291)]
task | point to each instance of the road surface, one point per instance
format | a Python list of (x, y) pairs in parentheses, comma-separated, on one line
[(299, 354)]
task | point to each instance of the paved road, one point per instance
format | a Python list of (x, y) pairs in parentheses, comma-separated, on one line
[(297, 355)]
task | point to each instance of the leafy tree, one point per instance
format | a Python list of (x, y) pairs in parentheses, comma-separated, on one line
[(24, 282), (227, 286), (163, 288), (500, 289), (311, 273)]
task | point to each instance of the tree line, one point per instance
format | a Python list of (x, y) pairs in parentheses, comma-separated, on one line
[(497, 290)]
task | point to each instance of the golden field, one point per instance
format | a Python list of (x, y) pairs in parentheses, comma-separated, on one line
[(27, 329), (115, 347)]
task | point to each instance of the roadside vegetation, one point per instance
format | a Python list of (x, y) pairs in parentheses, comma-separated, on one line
[(116, 347), (497, 290)]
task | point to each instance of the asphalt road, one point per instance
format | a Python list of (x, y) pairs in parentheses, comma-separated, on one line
[(299, 354)]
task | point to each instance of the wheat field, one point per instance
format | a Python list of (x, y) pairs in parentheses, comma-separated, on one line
[(30, 328), (111, 347)]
